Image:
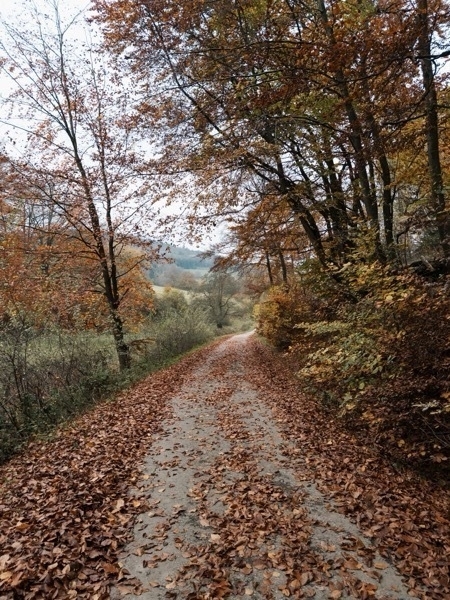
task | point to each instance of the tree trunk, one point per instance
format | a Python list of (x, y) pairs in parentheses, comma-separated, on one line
[(269, 268), (283, 266), (336, 203), (122, 349), (355, 136), (109, 273), (437, 196), (304, 214)]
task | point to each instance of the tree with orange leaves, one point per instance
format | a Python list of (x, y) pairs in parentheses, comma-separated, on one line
[(48, 273), (79, 178), (312, 99)]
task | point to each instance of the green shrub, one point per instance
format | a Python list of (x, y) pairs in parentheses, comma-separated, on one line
[(179, 332), (373, 344), (46, 376), (49, 375)]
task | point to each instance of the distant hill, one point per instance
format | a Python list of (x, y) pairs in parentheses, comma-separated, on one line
[(184, 271), (189, 259)]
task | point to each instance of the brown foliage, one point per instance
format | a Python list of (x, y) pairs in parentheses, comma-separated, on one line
[(381, 361), (307, 107), (406, 517), (65, 509)]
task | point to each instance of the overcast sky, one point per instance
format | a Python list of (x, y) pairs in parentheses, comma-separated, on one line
[(10, 9), (14, 12)]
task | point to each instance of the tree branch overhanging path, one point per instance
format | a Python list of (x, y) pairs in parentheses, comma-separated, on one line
[(238, 486)]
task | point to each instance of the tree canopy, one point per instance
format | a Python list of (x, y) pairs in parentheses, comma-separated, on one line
[(316, 105), (317, 132)]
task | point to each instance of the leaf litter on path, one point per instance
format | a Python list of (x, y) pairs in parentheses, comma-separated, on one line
[(258, 518), (246, 489)]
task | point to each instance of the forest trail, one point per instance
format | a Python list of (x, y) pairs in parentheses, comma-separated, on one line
[(237, 486), (233, 514)]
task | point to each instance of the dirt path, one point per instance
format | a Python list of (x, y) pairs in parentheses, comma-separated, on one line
[(237, 486), (230, 515)]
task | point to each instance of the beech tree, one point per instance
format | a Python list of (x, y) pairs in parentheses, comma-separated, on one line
[(426, 23), (313, 99), (267, 237), (82, 156)]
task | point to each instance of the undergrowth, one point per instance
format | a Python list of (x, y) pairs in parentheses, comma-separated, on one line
[(48, 376), (373, 345)]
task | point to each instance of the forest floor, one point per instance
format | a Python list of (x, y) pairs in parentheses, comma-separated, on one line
[(217, 478)]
